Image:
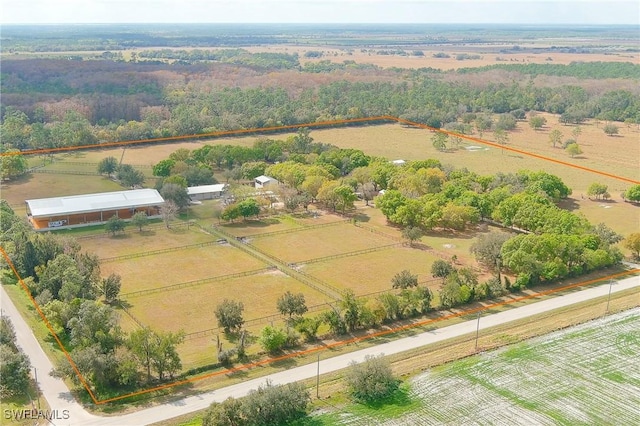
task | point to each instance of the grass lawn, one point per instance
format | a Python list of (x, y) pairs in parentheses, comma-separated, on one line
[(261, 226), (191, 309), (175, 267), (133, 241), (372, 272), (315, 243), (42, 185)]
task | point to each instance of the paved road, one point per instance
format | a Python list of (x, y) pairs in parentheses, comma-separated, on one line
[(58, 395)]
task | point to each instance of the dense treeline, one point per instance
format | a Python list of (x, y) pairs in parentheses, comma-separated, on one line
[(558, 243), (574, 69), (50, 103), (232, 56), (77, 301)]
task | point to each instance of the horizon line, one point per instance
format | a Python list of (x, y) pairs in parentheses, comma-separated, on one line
[(542, 24)]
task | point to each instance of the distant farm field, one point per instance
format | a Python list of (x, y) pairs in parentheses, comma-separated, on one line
[(587, 375), (487, 56)]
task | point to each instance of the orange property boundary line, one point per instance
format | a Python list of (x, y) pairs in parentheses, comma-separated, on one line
[(96, 401), (319, 124)]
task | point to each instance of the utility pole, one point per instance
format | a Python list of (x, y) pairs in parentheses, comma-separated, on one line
[(606, 311), (318, 379), (477, 332), (35, 373)]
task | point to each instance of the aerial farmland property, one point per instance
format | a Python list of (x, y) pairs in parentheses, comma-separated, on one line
[(368, 188)]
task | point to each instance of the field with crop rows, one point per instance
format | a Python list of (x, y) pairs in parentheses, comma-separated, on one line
[(585, 375)]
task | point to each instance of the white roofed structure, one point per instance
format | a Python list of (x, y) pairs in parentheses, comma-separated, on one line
[(206, 192), (88, 209), (263, 181)]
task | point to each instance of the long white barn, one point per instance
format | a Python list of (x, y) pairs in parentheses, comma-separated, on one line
[(73, 211)]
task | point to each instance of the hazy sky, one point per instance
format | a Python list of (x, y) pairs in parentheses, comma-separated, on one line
[(322, 11)]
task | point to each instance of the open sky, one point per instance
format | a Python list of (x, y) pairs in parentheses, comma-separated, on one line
[(322, 11)]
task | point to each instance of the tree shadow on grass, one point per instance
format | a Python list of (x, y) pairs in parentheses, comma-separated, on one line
[(260, 223), (420, 246), (361, 217), (286, 363), (18, 180), (569, 204), (123, 304), (120, 236), (395, 404)]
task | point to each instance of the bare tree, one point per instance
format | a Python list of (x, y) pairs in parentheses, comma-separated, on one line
[(168, 212)]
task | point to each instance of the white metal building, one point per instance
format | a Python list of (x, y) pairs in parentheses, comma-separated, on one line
[(265, 181), (90, 209), (207, 192)]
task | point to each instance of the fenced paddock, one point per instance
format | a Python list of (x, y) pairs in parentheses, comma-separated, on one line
[(372, 272), (191, 308), (159, 270), (151, 239), (315, 242), (258, 227)]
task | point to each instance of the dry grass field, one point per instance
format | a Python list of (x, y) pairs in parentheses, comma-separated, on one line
[(133, 241), (488, 55), (308, 244), (160, 270), (372, 272), (191, 309), (41, 185), (617, 155)]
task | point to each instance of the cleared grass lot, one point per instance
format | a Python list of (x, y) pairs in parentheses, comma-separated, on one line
[(372, 272), (160, 270), (315, 243), (150, 239), (191, 309)]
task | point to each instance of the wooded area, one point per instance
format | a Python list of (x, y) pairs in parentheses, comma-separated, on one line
[(50, 103)]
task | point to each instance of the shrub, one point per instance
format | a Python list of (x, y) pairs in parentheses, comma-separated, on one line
[(522, 281), (224, 357), (371, 380), (273, 339), (494, 287)]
